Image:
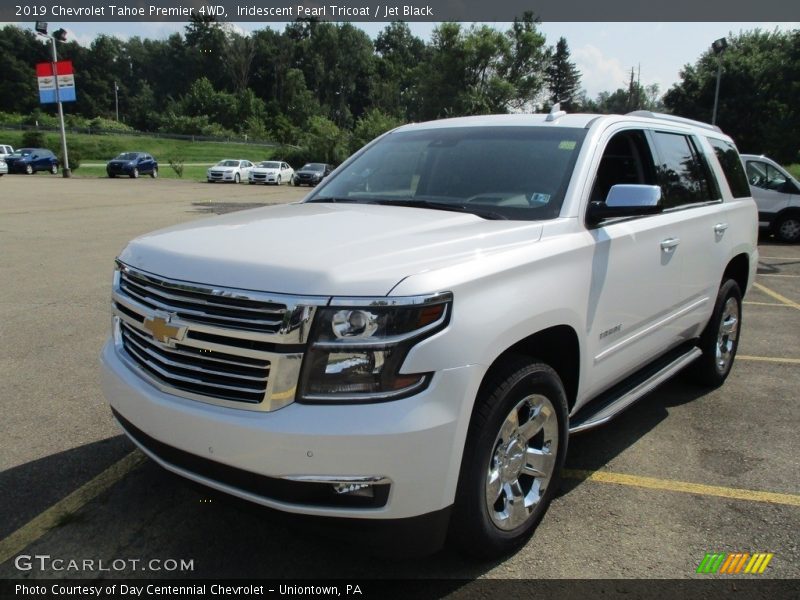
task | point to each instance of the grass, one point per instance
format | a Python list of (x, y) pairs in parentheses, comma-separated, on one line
[(794, 170), (101, 148)]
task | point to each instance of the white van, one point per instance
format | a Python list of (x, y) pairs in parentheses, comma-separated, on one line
[(777, 195)]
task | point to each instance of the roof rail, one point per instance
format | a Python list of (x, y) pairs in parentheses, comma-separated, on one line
[(665, 117)]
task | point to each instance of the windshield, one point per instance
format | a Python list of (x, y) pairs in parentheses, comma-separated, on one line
[(228, 163), (495, 172), (128, 156), (269, 165), (313, 167)]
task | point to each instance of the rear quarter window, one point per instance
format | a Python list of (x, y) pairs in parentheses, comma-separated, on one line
[(731, 165)]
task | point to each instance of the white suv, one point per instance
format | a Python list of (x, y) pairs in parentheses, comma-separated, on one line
[(417, 340)]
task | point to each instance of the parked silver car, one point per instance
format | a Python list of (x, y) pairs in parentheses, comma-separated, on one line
[(777, 195)]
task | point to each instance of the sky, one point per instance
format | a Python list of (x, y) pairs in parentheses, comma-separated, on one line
[(604, 52)]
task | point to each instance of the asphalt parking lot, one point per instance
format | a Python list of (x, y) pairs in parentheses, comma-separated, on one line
[(681, 474)]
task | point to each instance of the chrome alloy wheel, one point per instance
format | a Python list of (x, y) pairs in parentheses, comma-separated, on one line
[(522, 462), (728, 334)]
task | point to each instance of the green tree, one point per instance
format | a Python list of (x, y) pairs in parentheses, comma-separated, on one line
[(324, 139), (562, 76), (758, 96), (372, 124)]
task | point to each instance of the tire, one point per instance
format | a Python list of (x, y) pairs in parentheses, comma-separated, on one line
[(495, 474), (29, 169), (54, 169), (135, 173), (154, 173), (293, 181), (720, 339), (787, 229), (111, 176), (278, 181), (236, 178)]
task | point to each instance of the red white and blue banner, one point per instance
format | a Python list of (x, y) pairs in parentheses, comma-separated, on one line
[(47, 82)]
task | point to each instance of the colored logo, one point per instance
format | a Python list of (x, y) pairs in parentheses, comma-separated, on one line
[(735, 563)]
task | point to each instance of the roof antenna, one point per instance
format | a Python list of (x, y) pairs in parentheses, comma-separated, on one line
[(556, 112)]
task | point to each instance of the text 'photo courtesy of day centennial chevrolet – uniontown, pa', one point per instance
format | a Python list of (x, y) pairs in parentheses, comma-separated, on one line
[(377, 11)]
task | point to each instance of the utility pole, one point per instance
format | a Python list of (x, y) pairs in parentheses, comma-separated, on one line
[(116, 99), (718, 47)]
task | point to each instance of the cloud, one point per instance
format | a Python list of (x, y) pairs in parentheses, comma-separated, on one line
[(599, 73)]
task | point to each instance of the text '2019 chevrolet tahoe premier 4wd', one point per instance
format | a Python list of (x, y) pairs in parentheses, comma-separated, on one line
[(416, 340)]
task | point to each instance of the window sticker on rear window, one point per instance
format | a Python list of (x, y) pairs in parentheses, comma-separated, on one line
[(567, 145)]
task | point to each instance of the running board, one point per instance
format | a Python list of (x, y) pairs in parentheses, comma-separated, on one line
[(611, 403)]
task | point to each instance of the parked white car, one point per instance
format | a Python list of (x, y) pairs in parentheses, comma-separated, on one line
[(777, 195), (229, 170), (417, 340), (271, 171), (5, 150), (3, 167)]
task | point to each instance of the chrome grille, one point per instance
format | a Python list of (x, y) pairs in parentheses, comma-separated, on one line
[(224, 346), (203, 307), (207, 373)]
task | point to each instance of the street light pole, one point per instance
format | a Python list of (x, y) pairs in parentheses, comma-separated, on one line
[(116, 100), (718, 47), (65, 170)]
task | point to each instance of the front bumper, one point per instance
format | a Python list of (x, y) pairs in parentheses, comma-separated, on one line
[(415, 444), (221, 176)]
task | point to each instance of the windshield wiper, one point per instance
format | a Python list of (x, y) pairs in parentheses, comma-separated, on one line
[(474, 210)]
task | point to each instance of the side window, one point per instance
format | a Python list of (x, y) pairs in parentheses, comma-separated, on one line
[(626, 159), (764, 175), (731, 166), (682, 172)]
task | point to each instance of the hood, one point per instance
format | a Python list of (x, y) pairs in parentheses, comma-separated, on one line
[(322, 249), (265, 170)]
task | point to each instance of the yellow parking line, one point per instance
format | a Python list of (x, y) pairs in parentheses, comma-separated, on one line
[(44, 522), (776, 295), (781, 304), (775, 359), (682, 486)]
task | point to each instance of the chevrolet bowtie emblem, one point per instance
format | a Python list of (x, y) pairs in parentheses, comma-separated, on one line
[(163, 331)]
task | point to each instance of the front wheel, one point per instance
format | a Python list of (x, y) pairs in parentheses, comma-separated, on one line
[(29, 169), (236, 178), (135, 173), (513, 458), (787, 229), (154, 172), (54, 169), (720, 339)]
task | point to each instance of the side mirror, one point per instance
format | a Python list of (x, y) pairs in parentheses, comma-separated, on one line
[(626, 200)]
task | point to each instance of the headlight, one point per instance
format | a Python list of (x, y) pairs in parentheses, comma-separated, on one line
[(358, 346)]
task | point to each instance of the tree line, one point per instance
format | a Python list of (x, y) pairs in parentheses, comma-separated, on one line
[(328, 85)]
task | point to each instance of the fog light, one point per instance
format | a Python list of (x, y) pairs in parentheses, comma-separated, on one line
[(354, 489)]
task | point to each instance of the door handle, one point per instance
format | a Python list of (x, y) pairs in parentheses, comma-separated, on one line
[(720, 228), (669, 244)]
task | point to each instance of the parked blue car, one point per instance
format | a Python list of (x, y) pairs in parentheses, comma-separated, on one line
[(30, 160), (132, 164)]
